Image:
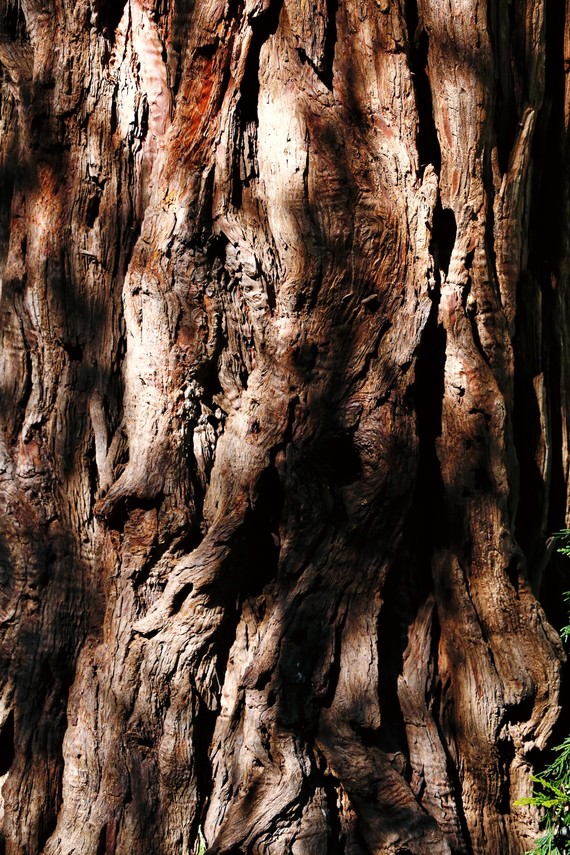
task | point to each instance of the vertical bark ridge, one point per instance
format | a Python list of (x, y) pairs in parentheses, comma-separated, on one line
[(474, 372)]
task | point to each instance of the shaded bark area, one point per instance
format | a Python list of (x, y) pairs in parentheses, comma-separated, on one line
[(284, 429)]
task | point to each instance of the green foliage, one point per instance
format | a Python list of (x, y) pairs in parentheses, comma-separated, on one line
[(565, 631), (563, 537), (551, 792), (200, 845)]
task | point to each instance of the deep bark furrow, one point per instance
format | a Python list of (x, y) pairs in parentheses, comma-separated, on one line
[(427, 141)]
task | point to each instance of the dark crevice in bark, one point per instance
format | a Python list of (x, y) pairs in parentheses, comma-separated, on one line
[(208, 378), (337, 842), (338, 459), (102, 843), (506, 751), (74, 351), (204, 726), (406, 589), (304, 57), (244, 169), (258, 549), (404, 595), (117, 515), (108, 14), (207, 50), (324, 68), (254, 557), (547, 246), (430, 508), (92, 210), (92, 471), (427, 526), (549, 157), (516, 714), (490, 216), (269, 505), (444, 231), (330, 44), (544, 325), (263, 27), (21, 405), (9, 175), (502, 32), (48, 826), (527, 429), (338, 622), (437, 711), (513, 572), (428, 512), (132, 231), (427, 141), (7, 750), (46, 136)]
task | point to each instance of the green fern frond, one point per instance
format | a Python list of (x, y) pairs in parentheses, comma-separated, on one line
[(551, 792)]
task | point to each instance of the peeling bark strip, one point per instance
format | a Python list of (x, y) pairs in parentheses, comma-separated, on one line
[(281, 435)]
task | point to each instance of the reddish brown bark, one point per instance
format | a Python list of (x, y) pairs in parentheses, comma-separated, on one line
[(284, 422)]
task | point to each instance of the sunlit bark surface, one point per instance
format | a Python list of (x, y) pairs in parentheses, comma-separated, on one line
[(284, 423)]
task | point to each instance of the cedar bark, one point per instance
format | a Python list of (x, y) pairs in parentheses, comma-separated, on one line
[(284, 422)]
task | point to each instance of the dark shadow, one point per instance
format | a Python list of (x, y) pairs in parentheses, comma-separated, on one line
[(108, 14), (427, 142)]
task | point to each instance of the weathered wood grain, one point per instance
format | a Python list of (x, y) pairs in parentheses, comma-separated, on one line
[(284, 422)]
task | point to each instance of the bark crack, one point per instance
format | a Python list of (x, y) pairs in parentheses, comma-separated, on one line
[(323, 65), (428, 393), (427, 141), (452, 771)]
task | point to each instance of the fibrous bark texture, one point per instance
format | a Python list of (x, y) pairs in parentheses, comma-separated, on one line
[(284, 422)]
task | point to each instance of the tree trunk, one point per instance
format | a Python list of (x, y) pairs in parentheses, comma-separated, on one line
[(284, 423)]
